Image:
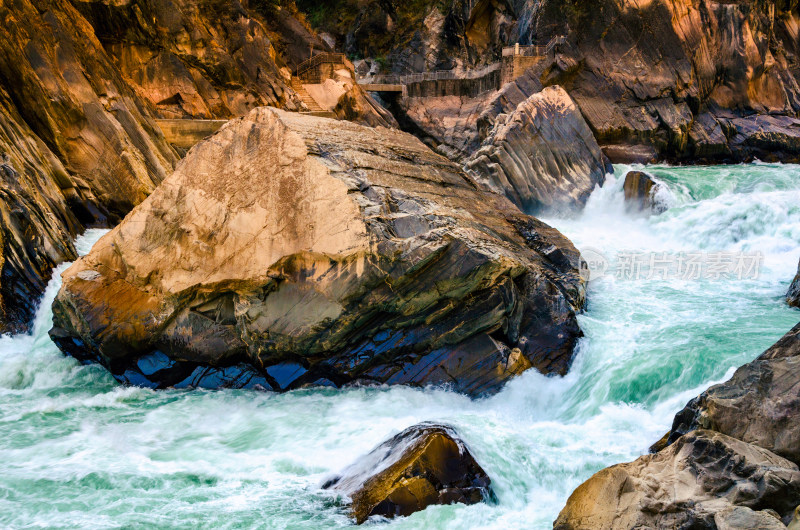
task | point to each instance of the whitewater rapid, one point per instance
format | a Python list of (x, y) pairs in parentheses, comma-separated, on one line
[(79, 451)]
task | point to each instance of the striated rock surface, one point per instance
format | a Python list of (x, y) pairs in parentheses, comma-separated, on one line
[(78, 146), (760, 404), (640, 191), (211, 59), (729, 461), (793, 295), (682, 80), (289, 250), (705, 480), (543, 155), (424, 465)]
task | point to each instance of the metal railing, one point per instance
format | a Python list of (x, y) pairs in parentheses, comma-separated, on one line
[(407, 79), (305, 67), (535, 49)]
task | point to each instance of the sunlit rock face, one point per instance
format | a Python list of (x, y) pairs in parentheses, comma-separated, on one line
[(289, 250), (542, 156), (78, 146), (662, 79)]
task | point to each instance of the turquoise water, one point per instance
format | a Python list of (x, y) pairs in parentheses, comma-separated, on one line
[(79, 451)]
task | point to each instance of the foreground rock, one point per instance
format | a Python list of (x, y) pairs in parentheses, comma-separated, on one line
[(705, 480), (729, 461), (542, 155), (760, 404), (289, 250), (793, 296), (424, 465), (641, 190)]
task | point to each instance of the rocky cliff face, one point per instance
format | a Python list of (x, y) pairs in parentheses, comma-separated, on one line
[(730, 460), (289, 250), (542, 155), (213, 59), (80, 147), (80, 85), (694, 80)]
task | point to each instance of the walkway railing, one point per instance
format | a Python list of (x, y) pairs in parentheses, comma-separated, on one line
[(304, 68), (407, 79), (535, 50)]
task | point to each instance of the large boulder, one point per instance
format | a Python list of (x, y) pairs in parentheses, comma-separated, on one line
[(288, 250), (542, 155), (706, 480), (793, 295), (760, 404), (425, 464)]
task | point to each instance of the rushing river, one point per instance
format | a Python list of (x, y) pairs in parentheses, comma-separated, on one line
[(79, 451)]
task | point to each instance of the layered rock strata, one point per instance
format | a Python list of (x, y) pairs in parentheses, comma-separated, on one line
[(289, 250), (730, 460)]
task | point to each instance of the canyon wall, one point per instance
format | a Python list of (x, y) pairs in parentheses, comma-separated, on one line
[(679, 80)]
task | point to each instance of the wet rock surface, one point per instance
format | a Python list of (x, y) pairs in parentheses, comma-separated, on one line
[(730, 460), (424, 465), (289, 250), (760, 404), (793, 295), (640, 191)]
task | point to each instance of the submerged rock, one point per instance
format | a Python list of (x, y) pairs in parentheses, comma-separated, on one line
[(641, 192), (424, 465), (793, 295), (705, 480), (289, 250), (542, 155)]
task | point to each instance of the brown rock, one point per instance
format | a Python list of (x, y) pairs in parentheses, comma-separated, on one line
[(793, 295), (683, 80), (640, 192), (289, 250), (543, 155), (760, 404), (210, 59), (423, 465), (704, 480), (80, 147)]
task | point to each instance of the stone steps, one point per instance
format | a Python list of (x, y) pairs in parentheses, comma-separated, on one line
[(306, 98)]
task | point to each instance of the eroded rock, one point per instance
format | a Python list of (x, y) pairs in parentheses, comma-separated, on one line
[(424, 465), (316, 251), (543, 155), (704, 480), (760, 404), (793, 295)]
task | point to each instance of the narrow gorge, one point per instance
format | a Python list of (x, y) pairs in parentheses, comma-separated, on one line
[(428, 264)]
